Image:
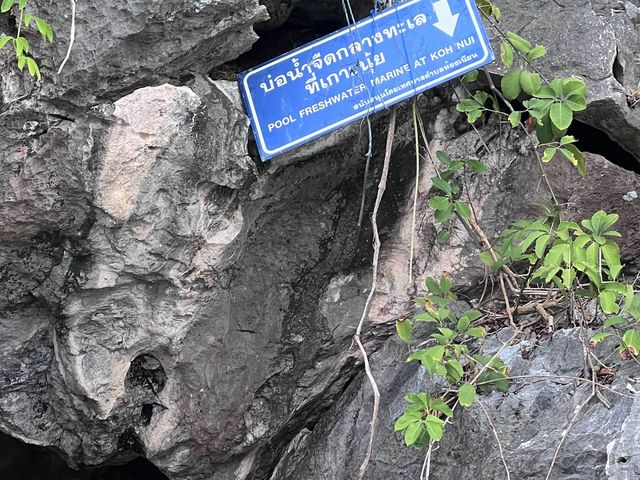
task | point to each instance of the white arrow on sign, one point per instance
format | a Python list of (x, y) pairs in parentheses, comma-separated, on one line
[(447, 21)]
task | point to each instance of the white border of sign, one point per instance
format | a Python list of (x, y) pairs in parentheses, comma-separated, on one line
[(370, 110)]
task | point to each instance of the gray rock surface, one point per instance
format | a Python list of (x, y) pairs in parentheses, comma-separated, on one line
[(125, 45), (530, 420), (597, 41)]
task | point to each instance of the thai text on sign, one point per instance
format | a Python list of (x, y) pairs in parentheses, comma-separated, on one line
[(362, 69)]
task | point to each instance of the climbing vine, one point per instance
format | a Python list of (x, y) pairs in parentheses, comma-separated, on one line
[(578, 264), (19, 42)]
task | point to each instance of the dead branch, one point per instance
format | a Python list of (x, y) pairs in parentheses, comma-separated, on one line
[(382, 185)]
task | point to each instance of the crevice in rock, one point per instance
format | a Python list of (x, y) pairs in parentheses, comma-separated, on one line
[(594, 140), (273, 43), (618, 69), (146, 372), (22, 461)]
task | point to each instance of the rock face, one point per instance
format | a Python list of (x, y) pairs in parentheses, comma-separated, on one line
[(166, 295)]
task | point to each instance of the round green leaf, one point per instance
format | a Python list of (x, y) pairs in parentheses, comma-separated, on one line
[(514, 118), (519, 43), (403, 327), (506, 54), (510, 84), (561, 115), (530, 82), (467, 395), (6, 5), (412, 433)]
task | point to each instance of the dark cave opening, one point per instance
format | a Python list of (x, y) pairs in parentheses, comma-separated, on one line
[(590, 139), (307, 22), (594, 140), (22, 461)]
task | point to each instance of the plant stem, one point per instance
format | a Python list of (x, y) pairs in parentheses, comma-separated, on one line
[(382, 184)]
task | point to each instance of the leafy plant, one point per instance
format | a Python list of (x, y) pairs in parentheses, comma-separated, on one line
[(447, 357), (575, 260), (19, 42)]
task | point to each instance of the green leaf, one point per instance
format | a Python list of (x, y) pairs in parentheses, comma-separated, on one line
[(467, 395), (506, 54), (572, 87), (611, 254), (613, 321), (463, 209), (466, 318), (544, 131), (403, 327), (4, 40), (487, 259), (476, 166), (561, 115), (441, 406), (44, 28), (439, 202), (442, 216), (631, 340), (548, 154), (6, 5), (530, 82), (440, 184), (475, 332), (473, 116), (433, 286), (454, 370), (22, 46), (541, 245), (402, 423), (546, 93), (443, 237), (22, 61), (443, 157), (510, 84), (470, 77), (557, 86), (608, 302), (519, 43), (568, 154), (434, 429), (421, 400), (599, 337), (27, 19), (536, 52), (576, 103), (515, 118), (412, 433), (445, 283), (34, 71)]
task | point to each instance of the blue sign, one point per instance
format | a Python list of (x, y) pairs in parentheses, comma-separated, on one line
[(361, 69)]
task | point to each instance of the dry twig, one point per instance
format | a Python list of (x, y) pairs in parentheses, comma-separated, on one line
[(72, 35), (495, 434), (376, 256)]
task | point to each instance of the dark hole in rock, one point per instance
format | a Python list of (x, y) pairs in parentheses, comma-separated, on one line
[(618, 69), (146, 413), (21, 461), (590, 139), (147, 374), (128, 441), (273, 43), (623, 460), (594, 140)]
